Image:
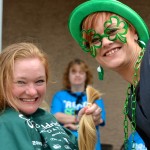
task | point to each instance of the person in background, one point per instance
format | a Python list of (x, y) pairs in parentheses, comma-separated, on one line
[(117, 37), (67, 102), (135, 141), (24, 76), (138, 142)]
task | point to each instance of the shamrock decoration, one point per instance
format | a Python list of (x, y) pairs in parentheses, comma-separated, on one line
[(117, 32), (85, 44), (114, 29)]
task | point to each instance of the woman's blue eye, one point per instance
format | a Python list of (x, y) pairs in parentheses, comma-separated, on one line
[(20, 82), (39, 82)]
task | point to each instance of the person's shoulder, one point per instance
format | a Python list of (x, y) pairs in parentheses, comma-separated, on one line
[(61, 92), (99, 100), (9, 114), (12, 118), (149, 42), (148, 46), (42, 114)]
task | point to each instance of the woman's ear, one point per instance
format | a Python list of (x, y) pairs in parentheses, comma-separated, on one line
[(135, 37), (140, 43)]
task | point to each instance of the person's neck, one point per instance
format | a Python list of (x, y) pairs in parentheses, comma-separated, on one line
[(127, 71), (77, 88)]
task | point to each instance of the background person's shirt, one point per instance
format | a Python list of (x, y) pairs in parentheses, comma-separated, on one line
[(65, 102)]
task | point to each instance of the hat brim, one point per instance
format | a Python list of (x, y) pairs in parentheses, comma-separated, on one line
[(89, 7)]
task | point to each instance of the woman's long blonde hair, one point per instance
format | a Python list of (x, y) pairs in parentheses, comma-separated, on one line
[(8, 57), (87, 130)]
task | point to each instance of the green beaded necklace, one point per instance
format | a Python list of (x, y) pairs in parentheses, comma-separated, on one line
[(133, 103)]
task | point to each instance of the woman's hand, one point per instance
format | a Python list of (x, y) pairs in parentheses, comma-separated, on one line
[(93, 110), (71, 126)]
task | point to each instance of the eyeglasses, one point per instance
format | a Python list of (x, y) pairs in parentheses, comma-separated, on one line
[(114, 29)]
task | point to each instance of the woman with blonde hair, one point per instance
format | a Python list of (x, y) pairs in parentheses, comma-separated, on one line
[(23, 82)]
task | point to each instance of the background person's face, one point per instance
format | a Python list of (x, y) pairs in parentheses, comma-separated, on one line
[(29, 84), (77, 76)]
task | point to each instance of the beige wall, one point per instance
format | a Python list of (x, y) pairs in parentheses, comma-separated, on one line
[(45, 21)]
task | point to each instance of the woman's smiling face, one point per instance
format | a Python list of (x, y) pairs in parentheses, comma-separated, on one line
[(115, 53), (29, 84), (110, 40)]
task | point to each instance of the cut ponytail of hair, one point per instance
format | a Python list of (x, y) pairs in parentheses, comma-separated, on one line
[(87, 130)]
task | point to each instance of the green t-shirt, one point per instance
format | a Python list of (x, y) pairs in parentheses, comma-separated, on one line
[(40, 131)]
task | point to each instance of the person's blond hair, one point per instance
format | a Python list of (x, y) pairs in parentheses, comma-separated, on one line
[(87, 130), (8, 57)]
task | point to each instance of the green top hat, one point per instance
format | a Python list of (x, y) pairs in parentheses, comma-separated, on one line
[(114, 6)]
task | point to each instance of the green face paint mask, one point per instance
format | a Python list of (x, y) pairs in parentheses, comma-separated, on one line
[(114, 29)]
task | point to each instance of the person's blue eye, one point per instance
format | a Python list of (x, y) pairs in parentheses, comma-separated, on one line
[(40, 82), (20, 82)]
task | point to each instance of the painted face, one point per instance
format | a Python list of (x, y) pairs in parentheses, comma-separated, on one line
[(114, 47), (77, 76), (29, 84), (114, 29)]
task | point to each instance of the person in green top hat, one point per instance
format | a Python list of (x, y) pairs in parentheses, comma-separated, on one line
[(23, 81), (116, 36)]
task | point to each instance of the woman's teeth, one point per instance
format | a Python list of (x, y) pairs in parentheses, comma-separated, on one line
[(28, 100), (112, 52)]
